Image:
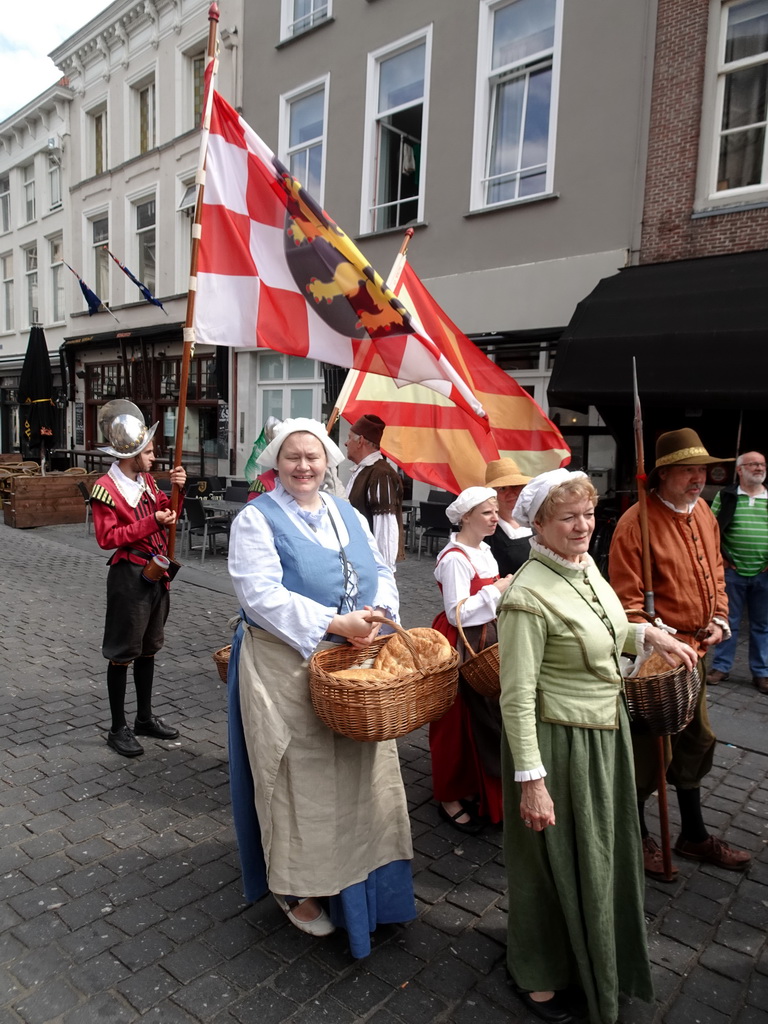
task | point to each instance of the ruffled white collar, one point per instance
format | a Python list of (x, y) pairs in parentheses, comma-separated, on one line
[(582, 565)]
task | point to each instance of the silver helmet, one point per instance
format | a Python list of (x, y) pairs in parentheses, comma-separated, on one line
[(128, 436)]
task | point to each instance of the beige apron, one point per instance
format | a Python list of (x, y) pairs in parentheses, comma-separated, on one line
[(331, 810)]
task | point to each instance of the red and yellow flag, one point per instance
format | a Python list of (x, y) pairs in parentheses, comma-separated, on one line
[(428, 435)]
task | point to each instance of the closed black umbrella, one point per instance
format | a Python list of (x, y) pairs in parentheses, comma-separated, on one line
[(36, 408)]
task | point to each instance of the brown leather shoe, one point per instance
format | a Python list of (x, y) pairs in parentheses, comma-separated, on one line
[(715, 676), (761, 682), (653, 861), (714, 851)]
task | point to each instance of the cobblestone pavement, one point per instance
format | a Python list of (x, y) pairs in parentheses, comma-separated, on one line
[(120, 895)]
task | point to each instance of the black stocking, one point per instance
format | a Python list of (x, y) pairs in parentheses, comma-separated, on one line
[(116, 680), (143, 675)]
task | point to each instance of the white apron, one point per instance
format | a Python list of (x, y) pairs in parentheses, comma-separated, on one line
[(331, 810)]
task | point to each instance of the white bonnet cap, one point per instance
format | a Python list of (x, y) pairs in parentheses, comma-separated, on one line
[(533, 494), (268, 458), (469, 498)]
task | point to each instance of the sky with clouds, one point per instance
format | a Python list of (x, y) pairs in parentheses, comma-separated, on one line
[(29, 30)]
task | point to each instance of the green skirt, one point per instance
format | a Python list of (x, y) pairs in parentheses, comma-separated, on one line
[(576, 889)]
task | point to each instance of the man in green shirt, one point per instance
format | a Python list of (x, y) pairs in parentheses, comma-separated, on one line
[(742, 513)]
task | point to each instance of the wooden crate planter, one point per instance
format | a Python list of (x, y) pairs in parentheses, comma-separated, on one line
[(49, 500)]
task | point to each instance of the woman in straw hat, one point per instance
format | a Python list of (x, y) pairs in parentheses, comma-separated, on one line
[(465, 743), (321, 820), (510, 543), (571, 837)]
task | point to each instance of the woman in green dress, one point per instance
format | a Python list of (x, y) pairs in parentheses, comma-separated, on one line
[(572, 836)]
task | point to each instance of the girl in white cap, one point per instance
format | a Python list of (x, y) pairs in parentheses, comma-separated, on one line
[(465, 743)]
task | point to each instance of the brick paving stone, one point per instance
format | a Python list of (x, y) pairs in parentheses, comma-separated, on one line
[(472, 897), (416, 1003), (184, 925), (685, 928), (448, 918), (757, 994), (360, 991), (475, 1009), (685, 1010), (393, 964), (739, 936), (90, 941), (477, 951), (728, 962), (84, 880), (669, 953), (430, 887), (47, 1001), (327, 1010), (752, 1015), (422, 940), (206, 996), (304, 979), (136, 916), (264, 1005), (143, 950), (103, 1007), (454, 868), (717, 991), (191, 961), (250, 969), (98, 974)]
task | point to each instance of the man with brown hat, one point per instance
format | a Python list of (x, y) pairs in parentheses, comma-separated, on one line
[(689, 591), (511, 543), (374, 488)]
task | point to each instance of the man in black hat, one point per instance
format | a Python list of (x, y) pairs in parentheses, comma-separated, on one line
[(688, 584), (131, 515), (375, 489)]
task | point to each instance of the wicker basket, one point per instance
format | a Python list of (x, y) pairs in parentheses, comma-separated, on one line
[(663, 704), (379, 711), (221, 657), (480, 670)]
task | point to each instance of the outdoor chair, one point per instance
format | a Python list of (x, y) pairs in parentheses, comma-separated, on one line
[(87, 499), (432, 523), (201, 525)]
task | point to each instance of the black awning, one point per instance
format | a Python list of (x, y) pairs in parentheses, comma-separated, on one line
[(698, 328)]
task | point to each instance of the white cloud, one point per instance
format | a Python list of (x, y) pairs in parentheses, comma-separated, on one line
[(28, 32)]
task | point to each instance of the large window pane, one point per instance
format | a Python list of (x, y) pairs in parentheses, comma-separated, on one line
[(747, 33), (270, 366), (401, 78), (301, 402), (299, 368), (741, 159), (745, 97), (522, 29), (272, 403)]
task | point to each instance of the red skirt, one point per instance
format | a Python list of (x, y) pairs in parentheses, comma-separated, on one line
[(458, 771)]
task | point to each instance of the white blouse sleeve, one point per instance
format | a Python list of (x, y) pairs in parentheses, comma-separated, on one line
[(454, 572)]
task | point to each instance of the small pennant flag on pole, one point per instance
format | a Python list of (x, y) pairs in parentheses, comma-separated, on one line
[(94, 302), (139, 284)]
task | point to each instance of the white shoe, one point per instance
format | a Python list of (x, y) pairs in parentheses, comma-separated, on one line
[(318, 926)]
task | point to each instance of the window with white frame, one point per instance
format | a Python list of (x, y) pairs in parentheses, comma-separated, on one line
[(5, 203), (30, 271), (54, 182), (185, 212), (299, 15), (28, 177), (6, 269), (197, 72), (57, 279), (397, 109), (518, 43), (100, 258), (97, 140), (145, 237), (742, 149), (302, 135), (288, 386), (145, 133)]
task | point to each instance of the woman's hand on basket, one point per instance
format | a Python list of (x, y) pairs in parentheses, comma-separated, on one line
[(356, 626), (502, 584), (536, 807), (672, 651)]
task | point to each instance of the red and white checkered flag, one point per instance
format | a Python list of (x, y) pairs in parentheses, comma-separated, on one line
[(275, 271)]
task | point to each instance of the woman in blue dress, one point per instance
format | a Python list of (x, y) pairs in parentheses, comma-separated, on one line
[(321, 820)]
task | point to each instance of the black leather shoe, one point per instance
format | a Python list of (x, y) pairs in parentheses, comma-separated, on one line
[(155, 727), (124, 742), (554, 1010), (470, 828)]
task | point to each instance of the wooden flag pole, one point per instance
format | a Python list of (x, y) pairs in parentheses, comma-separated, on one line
[(343, 396), (650, 611), (189, 332)]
